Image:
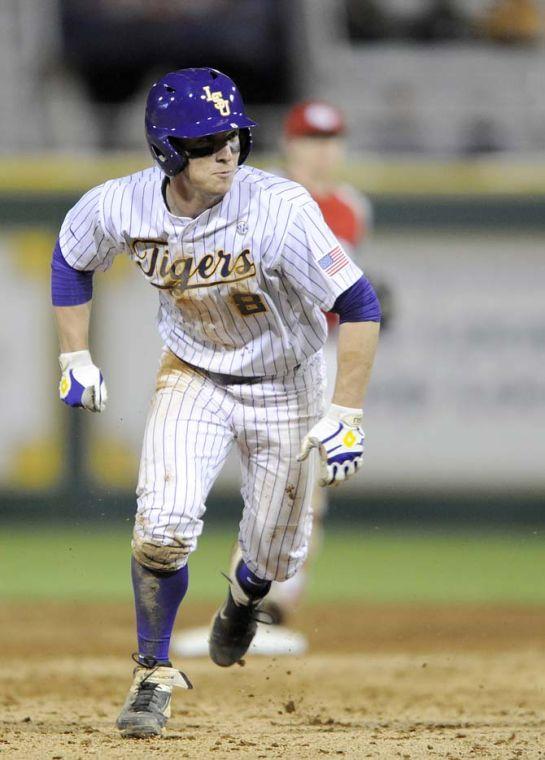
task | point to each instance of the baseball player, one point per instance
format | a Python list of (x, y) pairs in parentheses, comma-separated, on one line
[(243, 264)]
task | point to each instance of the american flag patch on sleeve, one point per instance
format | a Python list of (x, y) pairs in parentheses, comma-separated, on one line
[(333, 261)]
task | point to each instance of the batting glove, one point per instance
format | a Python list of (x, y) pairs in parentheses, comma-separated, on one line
[(82, 384), (339, 439)]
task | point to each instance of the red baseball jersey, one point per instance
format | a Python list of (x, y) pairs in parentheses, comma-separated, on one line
[(348, 215)]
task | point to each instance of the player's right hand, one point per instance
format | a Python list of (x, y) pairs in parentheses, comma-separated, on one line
[(82, 384), (339, 439)]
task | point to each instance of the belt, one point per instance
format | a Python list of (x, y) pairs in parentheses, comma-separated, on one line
[(221, 379), (237, 379)]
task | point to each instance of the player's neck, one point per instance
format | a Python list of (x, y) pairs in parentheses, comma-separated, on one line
[(183, 200)]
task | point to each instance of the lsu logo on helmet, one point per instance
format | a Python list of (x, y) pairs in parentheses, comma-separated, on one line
[(218, 100)]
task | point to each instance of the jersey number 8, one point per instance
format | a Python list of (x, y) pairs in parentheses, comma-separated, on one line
[(249, 303)]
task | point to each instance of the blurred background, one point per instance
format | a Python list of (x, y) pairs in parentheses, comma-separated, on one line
[(445, 106)]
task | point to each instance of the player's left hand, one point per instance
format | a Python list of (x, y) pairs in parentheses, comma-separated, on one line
[(339, 438)]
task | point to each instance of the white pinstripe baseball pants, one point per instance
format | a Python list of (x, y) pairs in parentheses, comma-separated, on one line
[(192, 425)]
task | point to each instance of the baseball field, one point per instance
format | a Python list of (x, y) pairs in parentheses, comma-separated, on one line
[(422, 645)]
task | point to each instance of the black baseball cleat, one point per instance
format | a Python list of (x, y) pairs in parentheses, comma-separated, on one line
[(233, 628), (147, 707)]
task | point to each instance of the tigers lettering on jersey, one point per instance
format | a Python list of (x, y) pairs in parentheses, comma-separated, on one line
[(184, 273)]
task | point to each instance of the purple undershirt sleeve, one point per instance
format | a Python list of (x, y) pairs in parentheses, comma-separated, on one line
[(358, 304), (69, 286)]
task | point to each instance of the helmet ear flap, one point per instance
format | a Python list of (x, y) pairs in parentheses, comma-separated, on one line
[(245, 138), (157, 154), (171, 163), (181, 157)]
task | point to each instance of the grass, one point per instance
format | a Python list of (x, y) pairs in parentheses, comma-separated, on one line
[(360, 564)]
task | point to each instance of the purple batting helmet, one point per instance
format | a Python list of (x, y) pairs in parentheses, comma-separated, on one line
[(193, 103)]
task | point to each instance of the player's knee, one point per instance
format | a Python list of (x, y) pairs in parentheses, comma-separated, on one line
[(277, 568), (284, 574), (162, 557)]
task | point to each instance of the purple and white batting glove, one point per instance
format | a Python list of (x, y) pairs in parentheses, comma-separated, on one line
[(339, 438), (82, 384)]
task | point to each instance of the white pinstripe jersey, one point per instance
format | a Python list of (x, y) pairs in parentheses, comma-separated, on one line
[(241, 287)]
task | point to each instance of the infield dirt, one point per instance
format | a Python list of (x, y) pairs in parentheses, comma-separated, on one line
[(379, 682)]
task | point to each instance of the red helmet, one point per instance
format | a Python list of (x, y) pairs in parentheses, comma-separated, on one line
[(314, 118)]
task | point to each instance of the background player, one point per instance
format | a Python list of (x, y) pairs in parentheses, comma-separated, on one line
[(314, 152), (244, 266), (313, 149)]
